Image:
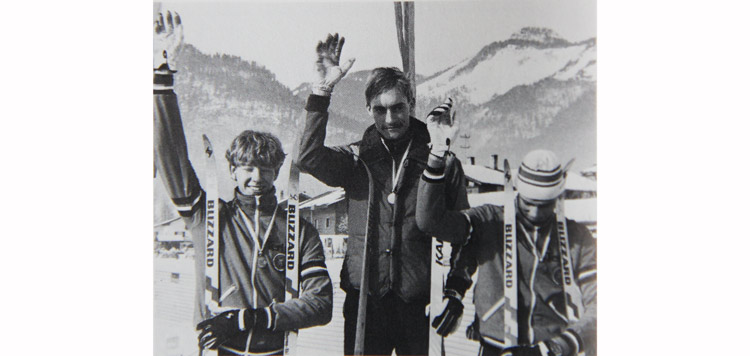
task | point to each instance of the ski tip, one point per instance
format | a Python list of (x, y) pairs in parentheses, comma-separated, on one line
[(207, 145), (506, 167)]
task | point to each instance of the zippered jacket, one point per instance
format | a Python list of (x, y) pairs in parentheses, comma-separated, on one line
[(399, 251), (251, 271), (541, 301)]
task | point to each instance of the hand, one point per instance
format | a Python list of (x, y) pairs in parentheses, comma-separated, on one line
[(327, 65), (217, 330), (443, 127), (447, 322), (167, 39)]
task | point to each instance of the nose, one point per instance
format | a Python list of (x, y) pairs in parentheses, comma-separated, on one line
[(533, 211), (389, 116), (255, 175)]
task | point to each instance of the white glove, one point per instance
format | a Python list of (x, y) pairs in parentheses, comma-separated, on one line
[(167, 39), (327, 65), (443, 128)]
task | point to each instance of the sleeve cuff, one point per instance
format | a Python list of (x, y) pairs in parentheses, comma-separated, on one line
[(449, 292), (435, 170), (163, 81), (317, 103)]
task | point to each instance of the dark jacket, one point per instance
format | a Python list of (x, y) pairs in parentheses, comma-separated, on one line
[(541, 312), (399, 251), (238, 251)]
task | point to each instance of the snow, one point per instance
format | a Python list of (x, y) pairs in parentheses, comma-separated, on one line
[(484, 174), (507, 68), (582, 210), (574, 180), (584, 68), (324, 199)]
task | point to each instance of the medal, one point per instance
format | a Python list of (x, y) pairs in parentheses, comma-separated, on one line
[(396, 173)]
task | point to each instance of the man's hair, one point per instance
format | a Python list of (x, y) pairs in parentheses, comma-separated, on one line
[(259, 148), (385, 78)]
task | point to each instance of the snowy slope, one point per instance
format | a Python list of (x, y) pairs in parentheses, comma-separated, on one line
[(528, 57), (507, 68)]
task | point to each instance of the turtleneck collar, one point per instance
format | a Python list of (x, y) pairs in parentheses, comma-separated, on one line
[(248, 203)]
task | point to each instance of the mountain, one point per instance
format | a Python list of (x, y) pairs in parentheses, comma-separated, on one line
[(533, 90), (221, 96)]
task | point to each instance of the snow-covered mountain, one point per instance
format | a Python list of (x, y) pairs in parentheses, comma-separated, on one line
[(533, 90), (529, 56)]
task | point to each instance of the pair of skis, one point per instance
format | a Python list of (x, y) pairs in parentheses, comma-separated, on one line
[(212, 240)]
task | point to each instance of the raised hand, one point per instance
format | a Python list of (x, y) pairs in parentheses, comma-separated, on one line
[(327, 65), (167, 39), (443, 127)]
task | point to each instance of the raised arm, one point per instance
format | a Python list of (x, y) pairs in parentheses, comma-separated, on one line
[(332, 166), (170, 148), (433, 199)]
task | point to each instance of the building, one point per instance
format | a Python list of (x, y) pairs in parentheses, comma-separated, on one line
[(327, 212)]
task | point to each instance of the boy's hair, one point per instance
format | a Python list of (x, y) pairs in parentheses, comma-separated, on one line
[(259, 148), (382, 79)]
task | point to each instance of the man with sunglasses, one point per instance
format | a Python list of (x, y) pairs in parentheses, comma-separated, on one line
[(556, 277)]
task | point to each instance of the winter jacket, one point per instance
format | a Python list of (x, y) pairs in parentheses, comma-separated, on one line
[(241, 258), (399, 251), (541, 312)]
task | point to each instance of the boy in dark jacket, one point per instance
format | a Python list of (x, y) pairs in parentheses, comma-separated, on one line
[(555, 274)]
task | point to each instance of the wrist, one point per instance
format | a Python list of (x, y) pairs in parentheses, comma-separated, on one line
[(436, 160), (163, 79), (451, 293), (322, 89)]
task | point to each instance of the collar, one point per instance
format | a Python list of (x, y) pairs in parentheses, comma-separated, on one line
[(371, 148), (248, 203)]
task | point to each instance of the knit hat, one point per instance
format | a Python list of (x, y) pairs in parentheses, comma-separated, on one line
[(540, 176)]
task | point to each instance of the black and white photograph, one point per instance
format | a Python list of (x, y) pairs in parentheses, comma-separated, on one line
[(375, 178)]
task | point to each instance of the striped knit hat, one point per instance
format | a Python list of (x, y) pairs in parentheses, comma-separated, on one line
[(540, 176)]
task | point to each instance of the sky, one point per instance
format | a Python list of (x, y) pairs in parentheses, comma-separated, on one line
[(282, 35)]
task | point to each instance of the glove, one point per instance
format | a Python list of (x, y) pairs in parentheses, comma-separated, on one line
[(472, 331), (167, 39), (544, 348), (217, 330), (447, 322), (327, 65), (443, 128)]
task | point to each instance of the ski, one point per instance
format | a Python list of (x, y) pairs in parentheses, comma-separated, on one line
[(211, 252), (441, 256), (510, 268), (292, 251), (571, 291)]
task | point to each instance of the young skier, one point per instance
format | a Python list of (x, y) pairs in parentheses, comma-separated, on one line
[(252, 228), (544, 262)]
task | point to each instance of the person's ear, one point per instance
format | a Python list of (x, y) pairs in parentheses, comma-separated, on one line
[(232, 175)]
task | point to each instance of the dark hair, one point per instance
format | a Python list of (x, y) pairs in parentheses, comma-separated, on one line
[(382, 79), (252, 147)]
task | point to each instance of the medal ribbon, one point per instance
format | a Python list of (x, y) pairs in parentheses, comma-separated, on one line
[(396, 174)]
